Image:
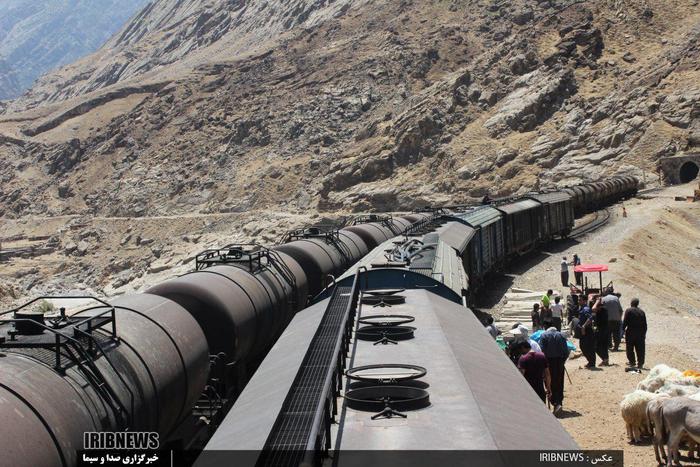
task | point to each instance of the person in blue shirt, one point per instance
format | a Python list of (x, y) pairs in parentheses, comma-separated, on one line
[(555, 348)]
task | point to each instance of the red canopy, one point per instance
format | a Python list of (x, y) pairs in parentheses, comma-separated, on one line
[(591, 268)]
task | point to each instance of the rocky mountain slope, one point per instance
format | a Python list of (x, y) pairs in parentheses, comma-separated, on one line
[(36, 37), (307, 105)]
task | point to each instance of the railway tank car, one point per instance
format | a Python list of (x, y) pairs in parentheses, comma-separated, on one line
[(141, 362), (160, 360), (150, 369)]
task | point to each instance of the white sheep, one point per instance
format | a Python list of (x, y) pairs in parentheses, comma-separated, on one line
[(695, 397), (675, 388), (657, 377), (634, 412)]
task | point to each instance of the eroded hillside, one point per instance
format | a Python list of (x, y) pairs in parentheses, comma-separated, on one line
[(225, 106)]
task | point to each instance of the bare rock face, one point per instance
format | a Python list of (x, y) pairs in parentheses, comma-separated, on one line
[(535, 98), (225, 106)]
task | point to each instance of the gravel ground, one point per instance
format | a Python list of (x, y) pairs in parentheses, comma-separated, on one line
[(653, 254)]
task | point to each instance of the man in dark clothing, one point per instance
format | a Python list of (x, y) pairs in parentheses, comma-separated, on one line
[(587, 339), (533, 365), (554, 347), (578, 275), (635, 325), (602, 331), (611, 302)]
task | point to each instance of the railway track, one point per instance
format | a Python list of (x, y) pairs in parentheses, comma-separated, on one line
[(601, 218)]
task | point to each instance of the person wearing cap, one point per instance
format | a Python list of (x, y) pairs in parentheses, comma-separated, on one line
[(534, 367), (564, 272), (522, 334), (555, 348)]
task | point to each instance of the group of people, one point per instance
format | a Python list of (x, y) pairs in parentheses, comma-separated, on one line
[(547, 314), (600, 325), (541, 363), (565, 271)]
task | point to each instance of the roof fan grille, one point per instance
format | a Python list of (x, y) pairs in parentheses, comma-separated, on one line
[(383, 300), (386, 373)]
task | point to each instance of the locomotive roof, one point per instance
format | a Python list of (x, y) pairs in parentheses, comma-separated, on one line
[(248, 423), (475, 391), (441, 261)]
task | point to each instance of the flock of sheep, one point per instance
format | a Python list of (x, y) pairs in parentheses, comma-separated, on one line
[(666, 406)]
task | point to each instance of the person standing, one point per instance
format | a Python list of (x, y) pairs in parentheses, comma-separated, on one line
[(584, 329), (557, 310), (491, 328), (602, 331), (535, 316), (546, 317), (578, 275), (533, 365), (555, 348), (634, 324), (611, 302), (547, 298), (564, 272)]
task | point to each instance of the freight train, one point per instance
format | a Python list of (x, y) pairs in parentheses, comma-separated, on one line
[(175, 358)]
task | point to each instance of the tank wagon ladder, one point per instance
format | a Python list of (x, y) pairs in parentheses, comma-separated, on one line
[(57, 339), (302, 431)]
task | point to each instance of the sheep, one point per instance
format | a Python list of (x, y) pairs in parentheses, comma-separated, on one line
[(657, 378), (673, 388), (634, 412), (695, 397)]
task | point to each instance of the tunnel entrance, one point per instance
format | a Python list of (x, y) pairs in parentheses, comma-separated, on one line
[(688, 172)]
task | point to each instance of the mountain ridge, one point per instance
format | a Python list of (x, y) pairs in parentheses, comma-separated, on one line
[(35, 38), (356, 107)]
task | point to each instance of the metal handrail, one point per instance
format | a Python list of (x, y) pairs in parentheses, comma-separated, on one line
[(49, 297), (340, 353), (70, 342)]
